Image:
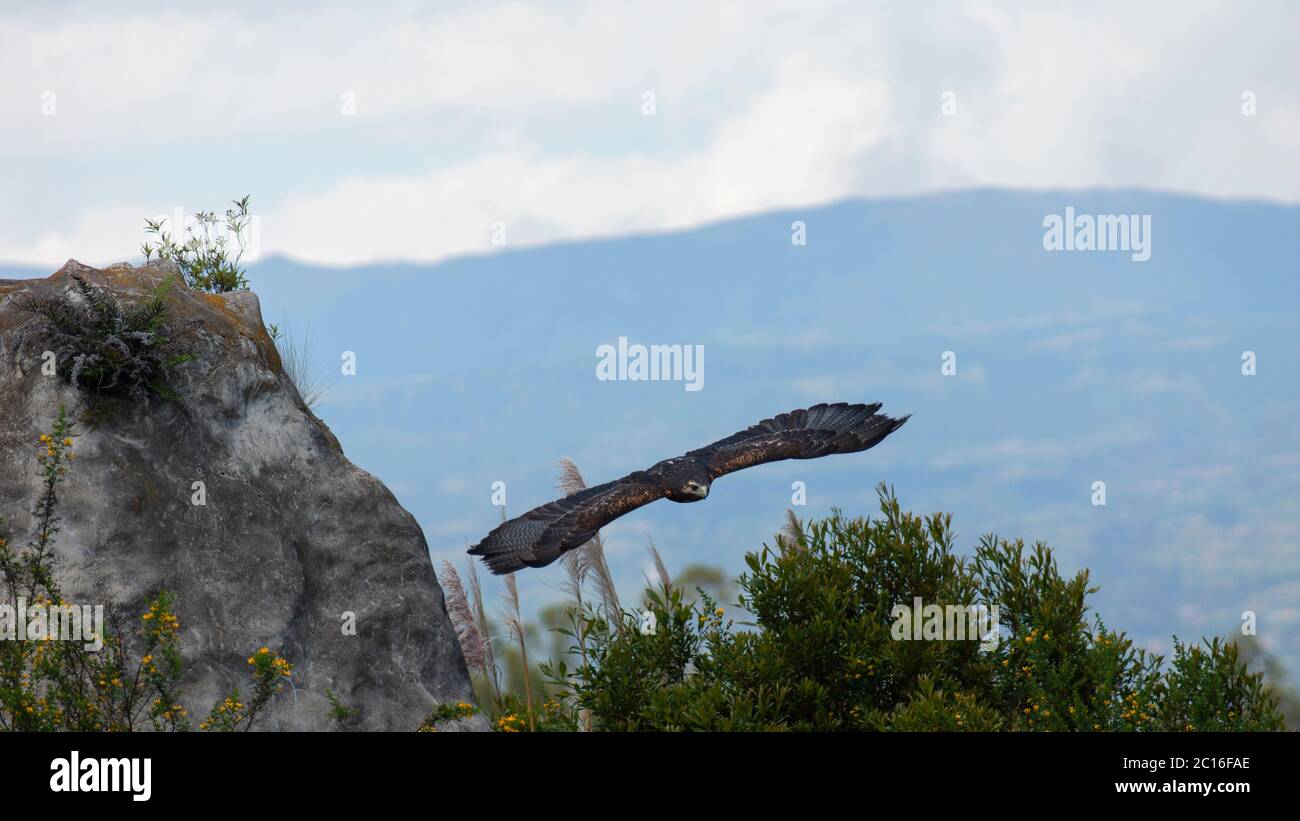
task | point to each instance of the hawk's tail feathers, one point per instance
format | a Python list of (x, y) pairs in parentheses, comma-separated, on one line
[(500, 563), (524, 542), (509, 546)]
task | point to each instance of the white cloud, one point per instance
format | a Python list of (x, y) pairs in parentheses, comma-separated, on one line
[(1070, 339), (1036, 455), (96, 236), (760, 105), (790, 148)]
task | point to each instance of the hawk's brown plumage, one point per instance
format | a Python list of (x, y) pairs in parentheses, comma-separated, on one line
[(541, 535)]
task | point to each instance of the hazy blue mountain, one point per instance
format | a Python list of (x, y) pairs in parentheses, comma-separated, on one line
[(1072, 367)]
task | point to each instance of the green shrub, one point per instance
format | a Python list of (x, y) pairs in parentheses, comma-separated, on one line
[(820, 653), (205, 256), (1209, 689)]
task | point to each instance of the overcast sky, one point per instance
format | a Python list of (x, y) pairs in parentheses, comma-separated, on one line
[(367, 133)]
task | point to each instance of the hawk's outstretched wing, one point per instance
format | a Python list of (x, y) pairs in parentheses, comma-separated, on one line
[(538, 537), (541, 535), (801, 434)]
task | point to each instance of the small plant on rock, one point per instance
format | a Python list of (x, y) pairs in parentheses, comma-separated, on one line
[(208, 256), (108, 348), (446, 712)]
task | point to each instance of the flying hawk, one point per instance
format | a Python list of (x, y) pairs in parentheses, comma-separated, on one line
[(541, 535)]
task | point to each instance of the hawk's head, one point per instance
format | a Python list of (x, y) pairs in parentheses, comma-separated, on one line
[(686, 480), (692, 490)]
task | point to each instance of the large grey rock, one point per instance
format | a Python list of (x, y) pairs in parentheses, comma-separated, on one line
[(292, 536)]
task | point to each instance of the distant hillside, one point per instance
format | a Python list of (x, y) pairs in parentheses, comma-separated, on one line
[(1072, 367)]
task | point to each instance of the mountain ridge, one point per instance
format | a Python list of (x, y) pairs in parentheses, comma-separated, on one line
[(1072, 367)]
